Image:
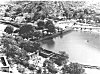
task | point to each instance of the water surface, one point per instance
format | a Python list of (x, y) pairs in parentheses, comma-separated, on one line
[(82, 47)]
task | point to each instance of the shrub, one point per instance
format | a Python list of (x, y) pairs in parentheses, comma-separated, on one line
[(9, 29)]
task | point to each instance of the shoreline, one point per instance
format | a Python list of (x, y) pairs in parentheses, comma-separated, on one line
[(56, 34), (97, 32)]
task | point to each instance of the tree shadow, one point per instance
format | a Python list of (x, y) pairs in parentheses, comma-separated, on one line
[(49, 43)]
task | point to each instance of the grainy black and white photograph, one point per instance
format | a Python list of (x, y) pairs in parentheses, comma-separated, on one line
[(49, 37)]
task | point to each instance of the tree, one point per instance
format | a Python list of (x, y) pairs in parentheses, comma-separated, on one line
[(50, 66), (63, 54), (40, 24), (60, 59), (73, 68), (50, 26), (86, 11), (11, 51), (51, 69), (47, 23), (75, 14), (26, 31), (70, 15), (18, 39), (39, 8), (18, 10), (51, 29), (29, 46), (36, 16), (8, 40), (37, 34), (6, 14), (81, 16), (21, 68), (9, 29), (36, 45), (11, 48), (39, 15)]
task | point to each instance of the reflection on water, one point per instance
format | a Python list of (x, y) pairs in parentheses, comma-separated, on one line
[(49, 43), (82, 47)]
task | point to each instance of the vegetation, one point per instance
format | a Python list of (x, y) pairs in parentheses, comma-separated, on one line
[(73, 68), (16, 49), (9, 29), (35, 18), (51, 9), (26, 31), (60, 59)]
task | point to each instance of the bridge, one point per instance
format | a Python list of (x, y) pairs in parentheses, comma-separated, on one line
[(91, 67)]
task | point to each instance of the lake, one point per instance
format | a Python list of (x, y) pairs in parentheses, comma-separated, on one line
[(82, 47)]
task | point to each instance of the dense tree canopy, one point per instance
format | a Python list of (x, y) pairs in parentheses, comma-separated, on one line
[(50, 66), (74, 68), (11, 48), (30, 46), (17, 47), (41, 24), (61, 58), (26, 31), (50, 26), (9, 29)]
